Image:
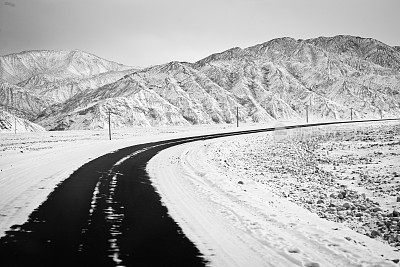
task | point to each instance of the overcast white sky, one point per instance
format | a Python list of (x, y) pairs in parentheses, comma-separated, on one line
[(147, 32)]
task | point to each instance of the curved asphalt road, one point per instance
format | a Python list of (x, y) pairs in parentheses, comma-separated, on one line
[(107, 213)]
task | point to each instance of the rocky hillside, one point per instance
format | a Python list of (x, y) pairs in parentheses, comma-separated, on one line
[(329, 74), (50, 66), (271, 81), (45, 77), (10, 123), (173, 93), (21, 102)]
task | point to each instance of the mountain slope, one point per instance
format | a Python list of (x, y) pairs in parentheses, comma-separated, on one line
[(46, 77), (55, 65), (10, 123), (21, 102), (297, 72), (366, 49), (60, 90), (167, 94)]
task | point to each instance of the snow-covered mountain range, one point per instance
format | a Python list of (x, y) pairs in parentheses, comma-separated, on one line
[(271, 81)]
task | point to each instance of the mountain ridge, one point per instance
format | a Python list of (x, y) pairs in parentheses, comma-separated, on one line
[(269, 81), (20, 66), (54, 76)]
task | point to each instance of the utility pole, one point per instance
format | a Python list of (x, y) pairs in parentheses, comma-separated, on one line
[(237, 116), (109, 124), (380, 111), (351, 114), (15, 124), (307, 113)]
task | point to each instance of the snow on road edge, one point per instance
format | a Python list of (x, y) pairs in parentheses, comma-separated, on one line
[(245, 225)]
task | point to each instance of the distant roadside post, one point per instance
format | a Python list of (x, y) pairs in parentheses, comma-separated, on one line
[(237, 116), (307, 113), (380, 111), (15, 124), (109, 123), (351, 114)]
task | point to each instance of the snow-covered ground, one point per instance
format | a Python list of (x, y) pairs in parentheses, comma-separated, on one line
[(32, 164), (248, 200), (305, 197)]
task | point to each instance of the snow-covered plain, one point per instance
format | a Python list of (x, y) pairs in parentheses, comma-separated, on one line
[(32, 164), (270, 199), (235, 212)]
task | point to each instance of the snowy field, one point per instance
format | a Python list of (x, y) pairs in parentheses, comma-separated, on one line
[(32, 164), (308, 197), (323, 196)]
